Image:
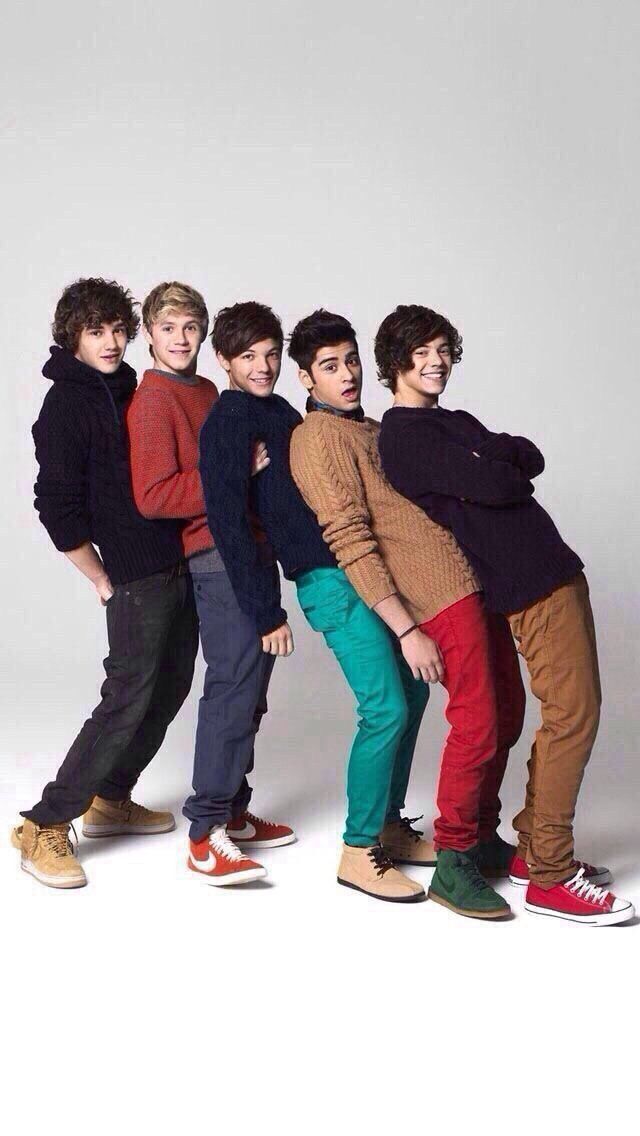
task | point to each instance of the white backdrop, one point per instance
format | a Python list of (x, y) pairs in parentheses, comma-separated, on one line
[(479, 157)]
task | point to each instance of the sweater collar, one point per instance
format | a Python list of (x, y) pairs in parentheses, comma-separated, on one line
[(355, 415)]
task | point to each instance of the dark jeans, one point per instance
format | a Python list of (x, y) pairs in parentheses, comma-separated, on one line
[(231, 708), (153, 643)]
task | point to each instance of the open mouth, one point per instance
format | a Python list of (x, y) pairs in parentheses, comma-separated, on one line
[(351, 394)]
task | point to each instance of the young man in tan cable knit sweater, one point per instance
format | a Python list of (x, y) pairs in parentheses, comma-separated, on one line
[(415, 577)]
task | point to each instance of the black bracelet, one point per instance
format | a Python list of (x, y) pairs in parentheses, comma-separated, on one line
[(414, 627)]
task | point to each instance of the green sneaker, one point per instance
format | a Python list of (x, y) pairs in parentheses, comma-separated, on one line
[(494, 857), (458, 885)]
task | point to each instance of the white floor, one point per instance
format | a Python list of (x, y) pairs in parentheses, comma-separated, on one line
[(149, 998)]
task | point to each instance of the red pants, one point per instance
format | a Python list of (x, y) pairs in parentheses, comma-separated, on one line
[(485, 711)]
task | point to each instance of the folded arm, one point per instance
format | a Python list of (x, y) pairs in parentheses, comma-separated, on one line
[(419, 462)]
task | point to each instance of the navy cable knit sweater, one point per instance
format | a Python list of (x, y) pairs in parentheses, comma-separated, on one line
[(236, 422), (477, 484), (83, 491)]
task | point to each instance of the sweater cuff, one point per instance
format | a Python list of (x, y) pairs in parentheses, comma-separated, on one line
[(268, 623), (69, 538)]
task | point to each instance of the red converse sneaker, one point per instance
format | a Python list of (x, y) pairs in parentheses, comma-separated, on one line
[(250, 831), (519, 872), (219, 862), (580, 901)]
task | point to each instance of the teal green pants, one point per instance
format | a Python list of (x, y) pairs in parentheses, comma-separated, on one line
[(390, 700)]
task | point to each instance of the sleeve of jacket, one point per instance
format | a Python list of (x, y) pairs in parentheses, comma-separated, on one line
[(62, 448), (419, 461), (326, 473), (160, 488), (226, 451)]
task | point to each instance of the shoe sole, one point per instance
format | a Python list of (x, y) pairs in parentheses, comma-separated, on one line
[(97, 830), (608, 920), (415, 897), (277, 842), (52, 881), (225, 881), (501, 914)]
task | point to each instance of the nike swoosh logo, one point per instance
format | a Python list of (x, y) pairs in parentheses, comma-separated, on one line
[(204, 865), (246, 833)]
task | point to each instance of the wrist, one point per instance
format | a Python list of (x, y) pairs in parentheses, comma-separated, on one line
[(408, 631)]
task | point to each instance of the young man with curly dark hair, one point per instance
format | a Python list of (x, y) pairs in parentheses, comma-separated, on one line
[(414, 578), (85, 501), (478, 485), (165, 418)]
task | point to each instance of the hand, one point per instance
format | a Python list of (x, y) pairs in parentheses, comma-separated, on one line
[(104, 588), (278, 642), (423, 656), (261, 458)]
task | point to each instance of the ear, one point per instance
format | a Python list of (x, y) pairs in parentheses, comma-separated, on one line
[(146, 335), (224, 362), (305, 379)]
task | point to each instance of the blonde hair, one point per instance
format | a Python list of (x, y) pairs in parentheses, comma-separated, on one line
[(174, 297)]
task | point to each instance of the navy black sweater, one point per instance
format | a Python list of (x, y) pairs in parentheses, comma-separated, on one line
[(83, 491), (486, 501), (236, 422)]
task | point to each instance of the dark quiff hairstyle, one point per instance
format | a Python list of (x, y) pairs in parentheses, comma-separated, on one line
[(320, 329), (402, 332), (235, 329), (88, 303)]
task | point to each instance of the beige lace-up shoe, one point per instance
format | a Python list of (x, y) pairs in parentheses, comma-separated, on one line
[(115, 818), (406, 845), (370, 870), (48, 855)]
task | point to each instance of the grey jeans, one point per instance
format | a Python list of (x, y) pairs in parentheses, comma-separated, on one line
[(231, 708)]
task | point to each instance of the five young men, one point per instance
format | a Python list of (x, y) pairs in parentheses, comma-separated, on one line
[(417, 550)]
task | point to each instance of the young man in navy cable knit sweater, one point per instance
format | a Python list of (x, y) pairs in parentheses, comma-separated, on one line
[(478, 484), (260, 520)]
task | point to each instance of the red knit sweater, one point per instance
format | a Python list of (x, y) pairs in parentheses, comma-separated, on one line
[(164, 421)]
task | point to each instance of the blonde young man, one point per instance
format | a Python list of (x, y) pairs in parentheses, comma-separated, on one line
[(165, 419)]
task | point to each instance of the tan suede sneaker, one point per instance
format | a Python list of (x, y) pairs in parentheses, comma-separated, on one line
[(48, 855), (114, 818), (370, 870), (405, 845)]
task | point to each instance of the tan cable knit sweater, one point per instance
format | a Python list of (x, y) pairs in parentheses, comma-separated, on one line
[(385, 543)]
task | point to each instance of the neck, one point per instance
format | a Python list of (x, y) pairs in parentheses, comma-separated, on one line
[(414, 399), (314, 403)]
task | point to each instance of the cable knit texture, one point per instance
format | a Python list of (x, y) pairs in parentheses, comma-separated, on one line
[(83, 491), (164, 421), (235, 499), (477, 483), (385, 544)]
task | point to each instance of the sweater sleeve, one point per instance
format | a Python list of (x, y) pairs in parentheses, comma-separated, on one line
[(420, 461), (62, 448), (326, 473), (226, 452), (511, 448), (160, 488)]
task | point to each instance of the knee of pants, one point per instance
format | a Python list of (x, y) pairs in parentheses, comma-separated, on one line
[(391, 717)]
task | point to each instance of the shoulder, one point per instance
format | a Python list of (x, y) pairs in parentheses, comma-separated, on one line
[(62, 403), (286, 410), (208, 388)]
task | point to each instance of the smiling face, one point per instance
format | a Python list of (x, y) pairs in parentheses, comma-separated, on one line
[(427, 378), (336, 376), (175, 341), (255, 370), (103, 347)]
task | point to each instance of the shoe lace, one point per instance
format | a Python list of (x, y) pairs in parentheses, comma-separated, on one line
[(380, 859), (469, 868), (406, 823), (57, 839), (224, 845), (581, 887), (259, 820)]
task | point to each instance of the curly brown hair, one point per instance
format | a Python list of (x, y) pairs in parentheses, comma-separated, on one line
[(401, 333), (88, 303)]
